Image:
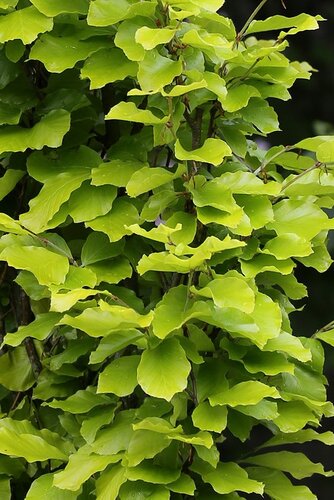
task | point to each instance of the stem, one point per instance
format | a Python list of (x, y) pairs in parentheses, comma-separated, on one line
[(266, 162), (249, 20), (244, 76), (318, 164), (25, 319)]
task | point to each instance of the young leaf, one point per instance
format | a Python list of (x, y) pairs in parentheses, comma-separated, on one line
[(120, 376), (163, 371)]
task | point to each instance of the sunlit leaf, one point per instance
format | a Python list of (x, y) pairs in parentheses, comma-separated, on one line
[(213, 151), (244, 393), (55, 7), (43, 489), (49, 131), (107, 66), (170, 369), (120, 376), (25, 24), (297, 464), (48, 267)]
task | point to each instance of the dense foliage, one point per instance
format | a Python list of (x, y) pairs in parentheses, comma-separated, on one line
[(153, 243)]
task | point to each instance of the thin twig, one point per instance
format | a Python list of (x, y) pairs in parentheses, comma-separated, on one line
[(265, 163), (249, 20), (318, 164), (25, 319)]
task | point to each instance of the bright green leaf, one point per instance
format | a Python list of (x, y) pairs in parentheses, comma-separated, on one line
[(296, 464), (24, 24), (120, 376), (48, 267), (106, 66), (49, 131), (244, 393), (213, 151), (163, 371)]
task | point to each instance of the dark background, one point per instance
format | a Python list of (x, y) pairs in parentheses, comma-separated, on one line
[(310, 112)]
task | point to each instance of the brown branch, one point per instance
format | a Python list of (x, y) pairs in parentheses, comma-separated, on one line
[(25, 317)]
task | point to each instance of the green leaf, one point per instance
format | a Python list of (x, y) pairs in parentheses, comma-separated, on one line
[(5, 490), (38, 329), (261, 115), (244, 393), (215, 46), (116, 172), (141, 491), (127, 111), (89, 202), (174, 310), (80, 402), (289, 284), (326, 336), (66, 51), (145, 444), (15, 370), (269, 363), (278, 486), (229, 292), (19, 442), (43, 489), (81, 467), (296, 464), (114, 224), (185, 484), (238, 97), (109, 483), (293, 416), (48, 267), (163, 371), (103, 13), (75, 349), (164, 261), (262, 263), (25, 24), (300, 437), (288, 245), (156, 71), (97, 419), (149, 38), (125, 37), (52, 196), (229, 477), (112, 271), (246, 183), (53, 8), (289, 344), (49, 131), (97, 247), (301, 22), (8, 225), (304, 219), (325, 152), (107, 66), (264, 410), (115, 342), (148, 178), (9, 180), (210, 418), (101, 321), (116, 437), (120, 376), (153, 474), (213, 151)]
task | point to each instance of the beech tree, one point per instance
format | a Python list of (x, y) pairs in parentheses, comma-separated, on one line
[(148, 247)]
